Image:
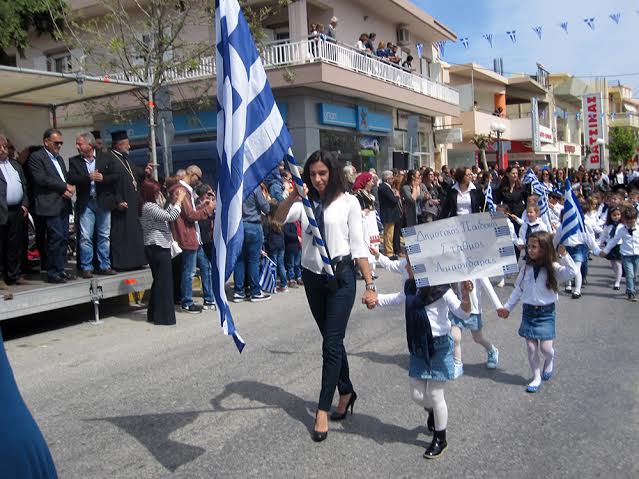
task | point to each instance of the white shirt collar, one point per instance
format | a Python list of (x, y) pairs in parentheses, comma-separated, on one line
[(470, 187), (187, 186)]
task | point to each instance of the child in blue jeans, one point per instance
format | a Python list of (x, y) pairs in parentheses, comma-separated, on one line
[(292, 254), (274, 239)]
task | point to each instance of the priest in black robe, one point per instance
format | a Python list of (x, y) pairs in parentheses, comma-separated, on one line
[(127, 242)]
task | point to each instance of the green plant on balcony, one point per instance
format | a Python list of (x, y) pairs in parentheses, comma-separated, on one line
[(622, 145), (482, 142)]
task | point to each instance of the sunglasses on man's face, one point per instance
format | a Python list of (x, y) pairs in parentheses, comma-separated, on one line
[(58, 143)]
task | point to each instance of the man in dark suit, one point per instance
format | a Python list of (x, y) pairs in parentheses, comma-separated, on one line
[(14, 205), (93, 175), (53, 195), (389, 212)]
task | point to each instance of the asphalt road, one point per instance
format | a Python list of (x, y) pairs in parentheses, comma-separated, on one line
[(129, 400)]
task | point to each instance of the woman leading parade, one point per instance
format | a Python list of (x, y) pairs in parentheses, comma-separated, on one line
[(338, 216)]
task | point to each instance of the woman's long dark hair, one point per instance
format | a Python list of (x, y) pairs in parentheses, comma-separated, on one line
[(548, 257), (335, 186), (505, 181)]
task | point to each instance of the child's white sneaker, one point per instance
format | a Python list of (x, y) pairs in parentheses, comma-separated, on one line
[(502, 283), (459, 370), (493, 358)]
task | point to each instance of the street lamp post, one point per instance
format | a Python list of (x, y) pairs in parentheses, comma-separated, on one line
[(499, 129)]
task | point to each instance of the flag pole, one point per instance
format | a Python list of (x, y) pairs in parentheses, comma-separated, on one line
[(319, 241)]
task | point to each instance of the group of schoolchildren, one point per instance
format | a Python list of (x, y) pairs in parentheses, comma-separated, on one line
[(435, 315)]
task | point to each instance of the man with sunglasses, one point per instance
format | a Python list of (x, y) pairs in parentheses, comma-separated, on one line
[(53, 195)]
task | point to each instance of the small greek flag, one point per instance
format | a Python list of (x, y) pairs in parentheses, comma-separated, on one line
[(564, 26), (409, 231), (502, 231), (268, 278), (539, 30), (590, 22), (507, 251), (489, 38), (539, 189), (251, 141), (573, 220), (510, 269), (490, 203), (466, 43), (413, 249), (419, 268), (513, 35), (615, 17), (422, 282)]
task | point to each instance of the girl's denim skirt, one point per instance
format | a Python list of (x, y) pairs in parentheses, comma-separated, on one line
[(538, 322), (441, 367), (579, 253), (473, 323)]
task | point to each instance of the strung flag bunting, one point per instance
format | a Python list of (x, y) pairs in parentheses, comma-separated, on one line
[(613, 115), (564, 25), (489, 38), (420, 49), (538, 30), (465, 42), (615, 17), (513, 35), (590, 22)]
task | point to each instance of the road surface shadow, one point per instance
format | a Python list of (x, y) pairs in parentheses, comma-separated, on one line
[(361, 425), (497, 375), (401, 360)]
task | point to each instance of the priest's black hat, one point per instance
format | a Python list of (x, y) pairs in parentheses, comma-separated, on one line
[(118, 136), (96, 134)]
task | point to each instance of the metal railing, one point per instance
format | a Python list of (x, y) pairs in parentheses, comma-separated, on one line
[(315, 49), (283, 54)]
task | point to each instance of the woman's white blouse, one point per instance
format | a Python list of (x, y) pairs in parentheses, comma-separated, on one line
[(534, 291), (343, 227), (437, 312)]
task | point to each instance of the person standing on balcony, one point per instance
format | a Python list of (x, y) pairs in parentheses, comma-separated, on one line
[(370, 44), (127, 240), (330, 33)]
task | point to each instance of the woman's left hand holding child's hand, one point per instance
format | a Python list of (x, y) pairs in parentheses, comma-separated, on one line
[(503, 313)]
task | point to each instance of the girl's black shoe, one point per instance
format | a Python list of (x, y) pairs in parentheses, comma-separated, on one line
[(339, 416), (438, 446)]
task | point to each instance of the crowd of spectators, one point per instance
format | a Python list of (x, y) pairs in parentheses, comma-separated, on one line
[(124, 219)]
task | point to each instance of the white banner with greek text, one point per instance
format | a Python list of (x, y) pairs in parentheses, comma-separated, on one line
[(460, 248)]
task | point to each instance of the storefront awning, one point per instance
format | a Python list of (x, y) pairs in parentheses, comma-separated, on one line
[(630, 108)]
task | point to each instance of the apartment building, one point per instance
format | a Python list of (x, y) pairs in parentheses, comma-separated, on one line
[(331, 95)]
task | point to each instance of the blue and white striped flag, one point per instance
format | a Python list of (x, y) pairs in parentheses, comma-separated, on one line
[(490, 202), (573, 219), (539, 189), (251, 141), (268, 278)]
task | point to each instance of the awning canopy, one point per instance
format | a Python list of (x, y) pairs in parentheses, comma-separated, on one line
[(20, 86)]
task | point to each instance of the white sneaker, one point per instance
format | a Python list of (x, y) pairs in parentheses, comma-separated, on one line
[(493, 358), (502, 283), (459, 370)]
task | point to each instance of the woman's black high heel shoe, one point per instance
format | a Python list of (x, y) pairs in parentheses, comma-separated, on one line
[(339, 416), (318, 436)]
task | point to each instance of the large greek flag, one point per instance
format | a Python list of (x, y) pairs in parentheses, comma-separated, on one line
[(573, 219), (251, 141)]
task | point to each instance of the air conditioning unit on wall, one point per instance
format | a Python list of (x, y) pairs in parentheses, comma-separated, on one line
[(403, 35)]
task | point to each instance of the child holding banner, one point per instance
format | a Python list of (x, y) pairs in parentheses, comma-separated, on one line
[(537, 288), (429, 343)]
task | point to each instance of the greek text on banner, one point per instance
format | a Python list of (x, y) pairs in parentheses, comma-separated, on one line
[(460, 248)]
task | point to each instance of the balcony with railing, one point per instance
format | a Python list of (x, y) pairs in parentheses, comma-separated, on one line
[(626, 119), (281, 55)]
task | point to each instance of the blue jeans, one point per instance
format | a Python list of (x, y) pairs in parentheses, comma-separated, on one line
[(293, 262), (94, 218), (188, 271), (278, 258), (57, 237), (631, 270), (205, 275), (248, 261)]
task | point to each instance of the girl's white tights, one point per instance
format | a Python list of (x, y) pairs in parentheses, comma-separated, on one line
[(478, 337), (618, 270), (534, 347), (430, 395), (578, 278)]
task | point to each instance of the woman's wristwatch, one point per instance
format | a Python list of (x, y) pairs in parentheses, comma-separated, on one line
[(370, 287)]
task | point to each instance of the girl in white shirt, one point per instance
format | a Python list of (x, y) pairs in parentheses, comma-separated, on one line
[(430, 345), (537, 287)]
